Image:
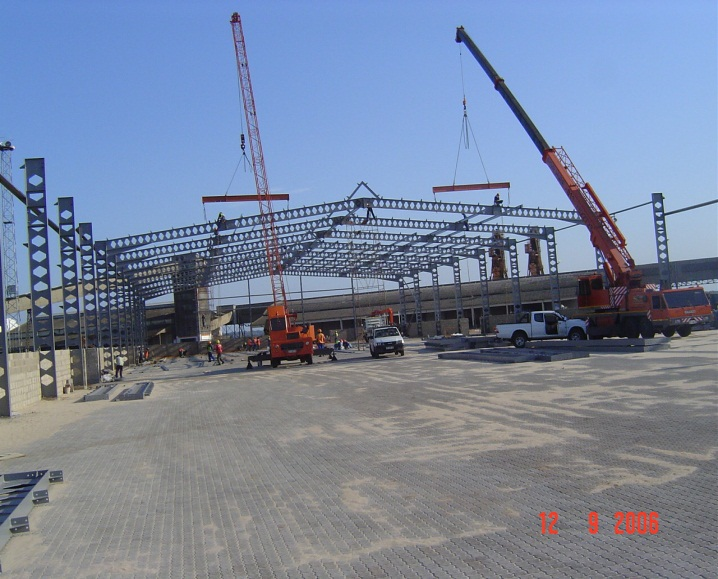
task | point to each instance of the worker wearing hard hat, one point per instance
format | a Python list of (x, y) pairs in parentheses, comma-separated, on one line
[(219, 350), (321, 340)]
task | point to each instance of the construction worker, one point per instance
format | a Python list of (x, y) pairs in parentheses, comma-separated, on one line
[(119, 364), (219, 350), (321, 340)]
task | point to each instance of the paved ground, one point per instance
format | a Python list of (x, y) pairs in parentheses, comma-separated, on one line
[(397, 467)]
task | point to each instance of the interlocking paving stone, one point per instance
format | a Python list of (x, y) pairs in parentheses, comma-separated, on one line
[(398, 467)]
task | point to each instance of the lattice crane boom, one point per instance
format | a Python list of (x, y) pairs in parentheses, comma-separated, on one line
[(271, 243)]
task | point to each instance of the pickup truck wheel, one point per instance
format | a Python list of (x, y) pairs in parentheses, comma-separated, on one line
[(309, 360), (373, 353), (669, 331), (519, 339), (576, 334), (401, 353), (684, 331), (274, 362)]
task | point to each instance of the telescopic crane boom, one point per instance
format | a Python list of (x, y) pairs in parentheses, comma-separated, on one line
[(626, 308), (605, 235)]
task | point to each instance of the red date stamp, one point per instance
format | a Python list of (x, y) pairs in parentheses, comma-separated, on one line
[(625, 523)]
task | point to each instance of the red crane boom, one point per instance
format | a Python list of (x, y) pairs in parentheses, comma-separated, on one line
[(271, 243), (287, 341)]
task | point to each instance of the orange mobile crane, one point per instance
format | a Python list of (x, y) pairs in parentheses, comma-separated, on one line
[(287, 340), (626, 307)]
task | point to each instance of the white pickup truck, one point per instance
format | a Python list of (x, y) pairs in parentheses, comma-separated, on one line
[(541, 326), (385, 340)]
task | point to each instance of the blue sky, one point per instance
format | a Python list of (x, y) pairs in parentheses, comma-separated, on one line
[(135, 106)]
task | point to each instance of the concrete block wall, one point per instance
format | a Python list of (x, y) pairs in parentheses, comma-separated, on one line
[(93, 366), (63, 368), (24, 379), (76, 368)]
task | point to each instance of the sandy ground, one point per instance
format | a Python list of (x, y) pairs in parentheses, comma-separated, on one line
[(42, 420)]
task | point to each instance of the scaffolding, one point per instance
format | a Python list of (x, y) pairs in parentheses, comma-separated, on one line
[(9, 251)]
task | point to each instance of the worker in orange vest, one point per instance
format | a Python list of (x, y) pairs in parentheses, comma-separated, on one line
[(321, 340)]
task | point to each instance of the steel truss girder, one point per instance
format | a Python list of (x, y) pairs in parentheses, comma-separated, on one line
[(334, 259), (349, 205), (149, 262), (433, 243)]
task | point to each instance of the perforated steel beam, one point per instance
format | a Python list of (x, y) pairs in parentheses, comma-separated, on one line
[(417, 304), (515, 282), (484, 283), (659, 224), (457, 293), (553, 268), (40, 286), (437, 300), (89, 290)]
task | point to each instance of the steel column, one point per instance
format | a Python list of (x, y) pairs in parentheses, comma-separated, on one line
[(89, 289), (402, 302), (515, 283), (457, 294), (437, 299), (484, 284), (417, 305), (104, 332), (68, 267), (553, 268), (659, 223), (40, 285)]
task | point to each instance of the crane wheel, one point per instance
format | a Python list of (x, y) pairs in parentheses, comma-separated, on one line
[(646, 328), (630, 328), (684, 331), (669, 331)]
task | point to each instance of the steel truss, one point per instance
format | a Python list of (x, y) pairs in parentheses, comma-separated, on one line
[(323, 240)]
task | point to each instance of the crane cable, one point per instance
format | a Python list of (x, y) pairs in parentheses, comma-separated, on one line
[(243, 159), (466, 128)]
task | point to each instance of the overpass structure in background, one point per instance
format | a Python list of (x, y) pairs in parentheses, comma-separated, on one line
[(105, 284)]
